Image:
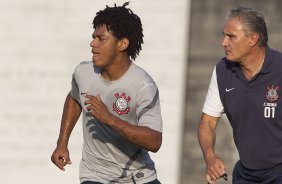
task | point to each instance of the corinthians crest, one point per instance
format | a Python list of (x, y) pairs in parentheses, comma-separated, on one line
[(121, 104), (272, 94)]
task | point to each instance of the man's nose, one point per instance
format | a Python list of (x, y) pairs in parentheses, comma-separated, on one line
[(93, 43), (224, 41)]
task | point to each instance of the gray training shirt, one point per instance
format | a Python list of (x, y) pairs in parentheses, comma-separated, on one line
[(107, 157)]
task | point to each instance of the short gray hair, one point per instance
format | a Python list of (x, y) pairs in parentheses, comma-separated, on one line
[(253, 21)]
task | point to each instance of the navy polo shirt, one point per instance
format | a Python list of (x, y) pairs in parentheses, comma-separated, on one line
[(254, 109)]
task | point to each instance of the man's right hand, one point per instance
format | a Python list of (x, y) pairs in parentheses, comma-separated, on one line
[(215, 168), (60, 157)]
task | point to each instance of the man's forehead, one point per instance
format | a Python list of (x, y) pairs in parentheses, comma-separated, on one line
[(101, 30), (233, 25)]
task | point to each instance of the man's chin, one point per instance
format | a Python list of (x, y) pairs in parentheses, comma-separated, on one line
[(230, 58), (97, 64), (94, 62)]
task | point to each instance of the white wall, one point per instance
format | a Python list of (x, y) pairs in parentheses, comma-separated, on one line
[(41, 42)]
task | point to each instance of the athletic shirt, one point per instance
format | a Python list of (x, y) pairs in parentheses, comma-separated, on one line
[(107, 157), (253, 108)]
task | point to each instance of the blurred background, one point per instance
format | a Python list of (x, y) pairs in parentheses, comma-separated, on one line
[(41, 42)]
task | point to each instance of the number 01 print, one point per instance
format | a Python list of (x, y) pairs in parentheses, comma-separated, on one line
[(269, 112)]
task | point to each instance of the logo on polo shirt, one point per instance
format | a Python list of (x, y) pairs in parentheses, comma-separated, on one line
[(270, 106), (272, 94), (229, 89), (121, 105)]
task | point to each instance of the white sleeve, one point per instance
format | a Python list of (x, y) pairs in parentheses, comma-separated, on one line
[(213, 105)]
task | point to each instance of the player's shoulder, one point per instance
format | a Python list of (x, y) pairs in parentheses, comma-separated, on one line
[(142, 75), (273, 54), (84, 65)]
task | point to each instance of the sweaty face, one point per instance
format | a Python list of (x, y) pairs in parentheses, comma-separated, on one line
[(235, 41), (104, 47)]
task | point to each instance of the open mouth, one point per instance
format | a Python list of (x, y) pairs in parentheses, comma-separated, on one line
[(95, 54)]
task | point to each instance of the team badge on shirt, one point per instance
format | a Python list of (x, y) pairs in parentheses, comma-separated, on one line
[(121, 104), (272, 94), (270, 106)]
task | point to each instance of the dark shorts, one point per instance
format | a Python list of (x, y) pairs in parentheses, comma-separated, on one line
[(243, 175), (92, 182)]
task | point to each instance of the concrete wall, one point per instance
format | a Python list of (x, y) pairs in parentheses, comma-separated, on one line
[(41, 43), (206, 27)]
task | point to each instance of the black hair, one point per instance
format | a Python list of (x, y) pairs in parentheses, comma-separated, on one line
[(253, 21), (123, 23)]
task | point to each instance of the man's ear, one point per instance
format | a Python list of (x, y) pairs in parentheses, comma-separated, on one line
[(254, 39), (123, 44)]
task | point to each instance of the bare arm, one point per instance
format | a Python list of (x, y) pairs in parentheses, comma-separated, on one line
[(206, 135), (142, 136), (71, 113)]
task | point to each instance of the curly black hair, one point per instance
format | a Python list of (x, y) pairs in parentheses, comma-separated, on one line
[(123, 23)]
